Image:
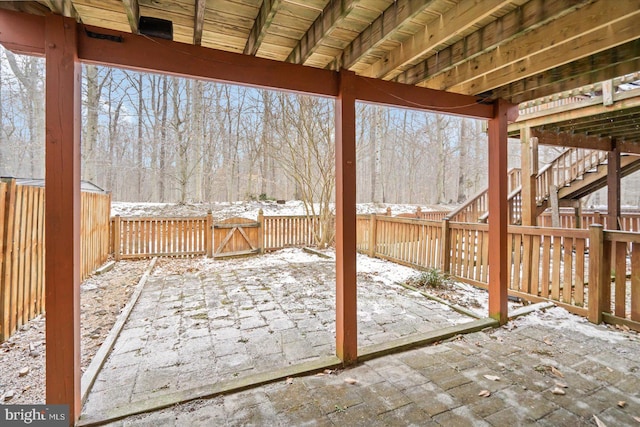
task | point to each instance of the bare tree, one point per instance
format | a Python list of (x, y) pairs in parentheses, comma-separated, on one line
[(306, 146)]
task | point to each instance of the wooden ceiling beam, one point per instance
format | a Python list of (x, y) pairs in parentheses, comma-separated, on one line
[(456, 20), (593, 28), (198, 21), (157, 55), (22, 32), (393, 19), (132, 9), (604, 127), (568, 139), (518, 22), (631, 147), (619, 61), (405, 96), (263, 21), (330, 17)]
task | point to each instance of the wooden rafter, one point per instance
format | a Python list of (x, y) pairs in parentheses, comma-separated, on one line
[(588, 108), (198, 21), (455, 21), (394, 18), (267, 12), (62, 7), (330, 17), (26, 7), (579, 91), (514, 24), (595, 27), (132, 9), (621, 60), (141, 53)]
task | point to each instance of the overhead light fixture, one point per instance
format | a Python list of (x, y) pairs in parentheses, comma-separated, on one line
[(155, 27)]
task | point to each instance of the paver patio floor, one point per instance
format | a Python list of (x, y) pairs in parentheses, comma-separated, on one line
[(548, 368), (234, 318)]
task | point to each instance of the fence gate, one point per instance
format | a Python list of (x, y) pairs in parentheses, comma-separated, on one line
[(236, 236)]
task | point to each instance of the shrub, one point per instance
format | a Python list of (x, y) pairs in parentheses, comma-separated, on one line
[(432, 278)]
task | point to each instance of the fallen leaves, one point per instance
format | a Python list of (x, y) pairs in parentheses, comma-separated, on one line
[(24, 371), (556, 372), (598, 422), (484, 393), (289, 381), (547, 341), (561, 384), (622, 403), (558, 391), (350, 380), (492, 377)]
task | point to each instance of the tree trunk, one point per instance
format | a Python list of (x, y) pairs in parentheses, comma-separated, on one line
[(163, 139)]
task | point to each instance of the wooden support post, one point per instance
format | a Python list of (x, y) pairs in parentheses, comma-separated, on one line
[(613, 198), (117, 237), (445, 256), (260, 231), (346, 303), (373, 223), (555, 206), (597, 218), (635, 282), (62, 213), (498, 210), (528, 174), (208, 234), (599, 274), (577, 211), (613, 187)]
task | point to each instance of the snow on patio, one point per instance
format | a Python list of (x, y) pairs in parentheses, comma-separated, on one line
[(203, 321)]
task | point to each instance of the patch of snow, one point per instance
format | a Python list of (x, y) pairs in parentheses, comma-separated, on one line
[(383, 271), (561, 319), (247, 209)]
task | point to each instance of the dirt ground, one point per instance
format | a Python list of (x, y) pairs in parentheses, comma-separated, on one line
[(22, 357)]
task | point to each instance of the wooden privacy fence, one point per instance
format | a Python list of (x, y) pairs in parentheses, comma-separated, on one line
[(22, 251), (144, 237), (545, 263)]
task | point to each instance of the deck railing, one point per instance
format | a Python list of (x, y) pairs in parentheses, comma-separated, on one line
[(549, 264), (570, 165)]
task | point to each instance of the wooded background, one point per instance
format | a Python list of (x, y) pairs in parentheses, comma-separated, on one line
[(157, 138)]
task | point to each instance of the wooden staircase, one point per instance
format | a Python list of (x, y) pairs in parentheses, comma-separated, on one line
[(576, 172)]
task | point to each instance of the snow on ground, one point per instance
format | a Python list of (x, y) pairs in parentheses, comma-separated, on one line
[(249, 209), (561, 319)]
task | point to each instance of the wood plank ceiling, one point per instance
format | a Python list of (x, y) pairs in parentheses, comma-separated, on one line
[(518, 50)]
